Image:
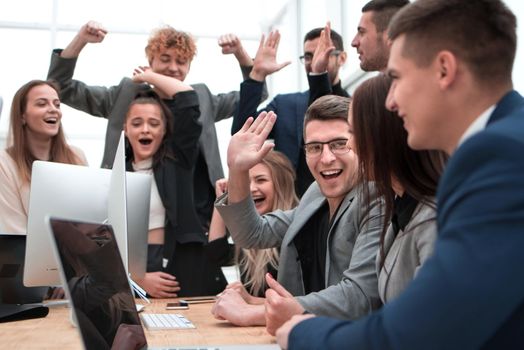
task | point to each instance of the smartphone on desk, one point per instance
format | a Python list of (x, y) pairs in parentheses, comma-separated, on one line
[(178, 305)]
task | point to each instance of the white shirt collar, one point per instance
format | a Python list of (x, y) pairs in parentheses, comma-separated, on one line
[(478, 125)]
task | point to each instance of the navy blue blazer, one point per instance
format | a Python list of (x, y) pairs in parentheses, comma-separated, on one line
[(290, 108), (470, 294)]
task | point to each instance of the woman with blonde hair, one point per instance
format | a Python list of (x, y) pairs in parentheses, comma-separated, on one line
[(272, 188), (35, 133)]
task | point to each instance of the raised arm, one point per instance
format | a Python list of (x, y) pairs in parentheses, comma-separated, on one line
[(251, 90), (246, 149), (318, 79), (95, 100), (166, 87), (91, 32), (247, 227), (231, 44)]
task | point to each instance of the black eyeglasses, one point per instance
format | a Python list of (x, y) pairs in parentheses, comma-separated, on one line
[(337, 146), (308, 57)]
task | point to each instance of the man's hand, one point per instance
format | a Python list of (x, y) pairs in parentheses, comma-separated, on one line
[(160, 284), (280, 305), (265, 62), (231, 44), (232, 307), (283, 332), (325, 47), (91, 32), (248, 147)]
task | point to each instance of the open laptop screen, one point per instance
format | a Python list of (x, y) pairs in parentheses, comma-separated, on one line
[(97, 286)]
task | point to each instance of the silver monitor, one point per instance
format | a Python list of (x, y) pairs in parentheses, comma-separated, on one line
[(87, 194), (128, 212)]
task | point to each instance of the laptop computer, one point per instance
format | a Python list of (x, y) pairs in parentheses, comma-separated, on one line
[(97, 286)]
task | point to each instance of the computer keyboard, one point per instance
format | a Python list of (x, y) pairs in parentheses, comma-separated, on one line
[(166, 321)]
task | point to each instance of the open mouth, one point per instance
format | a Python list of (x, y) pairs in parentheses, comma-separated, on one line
[(145, 141), (330, 174), (259, 200), (51, 121)]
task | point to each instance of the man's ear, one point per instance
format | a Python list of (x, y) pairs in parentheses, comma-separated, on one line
[(446, 68), (343, 56)]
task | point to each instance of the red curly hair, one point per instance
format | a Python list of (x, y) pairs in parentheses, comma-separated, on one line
[(168, 37)]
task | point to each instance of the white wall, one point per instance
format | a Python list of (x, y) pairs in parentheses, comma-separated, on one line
[(29, 29)]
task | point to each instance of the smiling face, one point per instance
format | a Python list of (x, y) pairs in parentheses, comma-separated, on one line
[(414, 94), (170, 63), (371, 46), (145, 128), (42, 114), (334, 173), (262, 188)]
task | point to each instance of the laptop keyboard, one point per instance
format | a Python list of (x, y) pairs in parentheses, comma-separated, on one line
[(166, 321)]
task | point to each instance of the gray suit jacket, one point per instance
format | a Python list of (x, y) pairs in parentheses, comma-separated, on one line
[(112, 103), (351, 280), (406, 253)]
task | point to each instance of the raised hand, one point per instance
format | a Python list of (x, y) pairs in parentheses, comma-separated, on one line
[(265, 62), (92, 32), (280, 305), (231, 44), (325, 47), (248, 146)]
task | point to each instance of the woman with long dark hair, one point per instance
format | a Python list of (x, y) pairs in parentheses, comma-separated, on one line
[(405, 178)]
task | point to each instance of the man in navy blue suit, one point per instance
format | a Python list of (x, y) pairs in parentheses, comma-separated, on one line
[(452, 61)]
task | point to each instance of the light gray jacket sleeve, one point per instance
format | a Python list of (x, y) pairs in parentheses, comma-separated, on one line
[(250, 230), (356, 294)]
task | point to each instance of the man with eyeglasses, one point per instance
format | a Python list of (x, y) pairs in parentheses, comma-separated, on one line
[(290, 108), (328, 243)]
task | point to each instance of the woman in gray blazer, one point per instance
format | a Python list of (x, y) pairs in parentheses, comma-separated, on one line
[(407, 180)]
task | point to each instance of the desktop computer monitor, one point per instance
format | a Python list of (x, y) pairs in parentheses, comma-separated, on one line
[(128, 212), (88, 194)]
